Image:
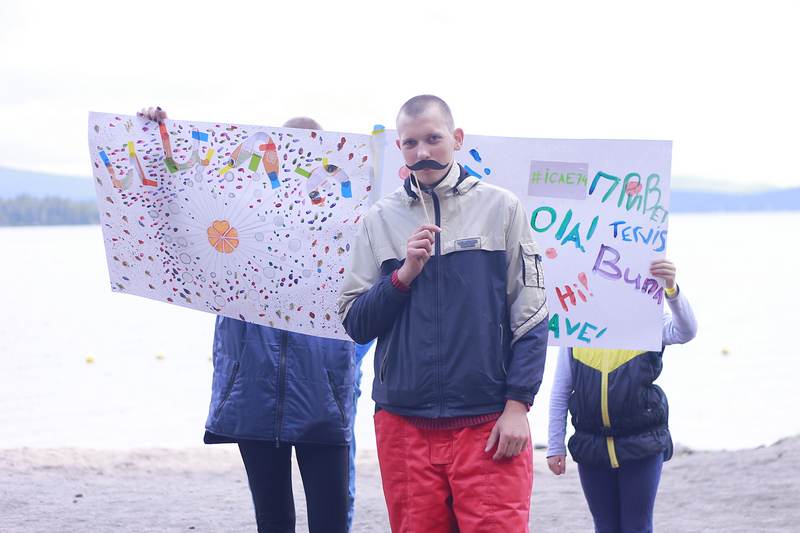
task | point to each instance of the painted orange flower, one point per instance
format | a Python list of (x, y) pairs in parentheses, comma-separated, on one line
[(223, 237)]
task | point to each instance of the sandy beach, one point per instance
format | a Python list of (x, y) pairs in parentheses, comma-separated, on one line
[(205, 489)]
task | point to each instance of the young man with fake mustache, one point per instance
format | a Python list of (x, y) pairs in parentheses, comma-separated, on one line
[(446, 275)]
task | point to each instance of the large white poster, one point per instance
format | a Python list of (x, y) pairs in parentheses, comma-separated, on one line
[(244, 221), (598, 210)]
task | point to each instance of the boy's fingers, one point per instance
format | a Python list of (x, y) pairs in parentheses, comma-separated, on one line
[(424, 234), (502, 448), (518, 447), (420, 243), (419, 253), (662, 269), (663, 273), (492, 439), (511, 449), (430, 227), (427, 235)]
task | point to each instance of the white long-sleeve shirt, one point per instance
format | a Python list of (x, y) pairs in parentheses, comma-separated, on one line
[(679, 327)]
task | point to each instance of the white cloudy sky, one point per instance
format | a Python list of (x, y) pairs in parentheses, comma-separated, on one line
[(720, 79)]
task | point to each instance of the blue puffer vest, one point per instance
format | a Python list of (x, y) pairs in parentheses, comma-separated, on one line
[(619, 414), (279, 386)]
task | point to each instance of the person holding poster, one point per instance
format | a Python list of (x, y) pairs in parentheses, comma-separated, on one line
[(273, 390), (446, 275), (621, 434)]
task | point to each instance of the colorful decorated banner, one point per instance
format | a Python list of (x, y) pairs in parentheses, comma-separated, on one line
[(256, 223), (248, 222), (598, 210)]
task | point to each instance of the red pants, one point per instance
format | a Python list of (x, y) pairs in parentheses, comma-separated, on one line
[(442, 481)]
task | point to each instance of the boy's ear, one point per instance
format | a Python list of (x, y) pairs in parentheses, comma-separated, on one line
[(459, 135)]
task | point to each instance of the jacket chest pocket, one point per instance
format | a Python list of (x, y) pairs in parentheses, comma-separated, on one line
[(532, 274)]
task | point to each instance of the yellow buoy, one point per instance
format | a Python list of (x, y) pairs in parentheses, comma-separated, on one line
[(89, 359), (160, 356)]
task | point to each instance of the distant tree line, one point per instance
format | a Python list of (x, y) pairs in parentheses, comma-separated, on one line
[(27, 210)]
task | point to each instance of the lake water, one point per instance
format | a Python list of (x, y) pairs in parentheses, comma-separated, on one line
[(734, 386)]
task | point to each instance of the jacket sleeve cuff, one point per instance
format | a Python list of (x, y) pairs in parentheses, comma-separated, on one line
[(399, 285), (556, 450), (520, 395)]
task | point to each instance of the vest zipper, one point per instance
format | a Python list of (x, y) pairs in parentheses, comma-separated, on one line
[(281, 389), (612, 452)]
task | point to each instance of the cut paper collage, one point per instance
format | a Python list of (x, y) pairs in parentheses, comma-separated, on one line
[(256, 223), (247, 222)]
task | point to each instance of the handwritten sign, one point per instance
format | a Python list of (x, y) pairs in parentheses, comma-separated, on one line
[(598, 210)]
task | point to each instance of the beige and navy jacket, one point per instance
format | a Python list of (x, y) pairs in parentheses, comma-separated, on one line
[(472, 331)]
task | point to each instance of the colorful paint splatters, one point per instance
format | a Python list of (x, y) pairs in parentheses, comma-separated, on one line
[(476, 157)]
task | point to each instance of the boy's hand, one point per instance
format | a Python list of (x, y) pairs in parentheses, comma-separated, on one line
[(153, 113), (511, 433), (419, 250), (664, 269), (557, 464)]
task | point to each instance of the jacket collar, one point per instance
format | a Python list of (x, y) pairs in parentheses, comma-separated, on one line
[(457, 181)]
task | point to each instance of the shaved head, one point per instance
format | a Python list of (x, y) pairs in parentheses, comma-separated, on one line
[(302, 123), (417, 105)]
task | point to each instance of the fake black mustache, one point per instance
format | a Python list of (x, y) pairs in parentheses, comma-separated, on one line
[(427, 164)]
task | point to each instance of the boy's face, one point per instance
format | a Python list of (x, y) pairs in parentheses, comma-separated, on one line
[(427, 137)]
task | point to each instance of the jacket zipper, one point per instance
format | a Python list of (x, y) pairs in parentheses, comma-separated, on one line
[(502, 350), (281, 389), (437, 254), (335, 397)]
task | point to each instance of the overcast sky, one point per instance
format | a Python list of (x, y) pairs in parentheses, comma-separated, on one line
[(720, 79)]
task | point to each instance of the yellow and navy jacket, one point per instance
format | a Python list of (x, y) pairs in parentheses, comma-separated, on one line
[(472, 331), (619, 414)]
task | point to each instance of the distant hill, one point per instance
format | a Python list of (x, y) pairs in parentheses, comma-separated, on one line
[(48, 211), (683, 201), (697, 184), (688, 194), (14, 183), (34, 199)]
